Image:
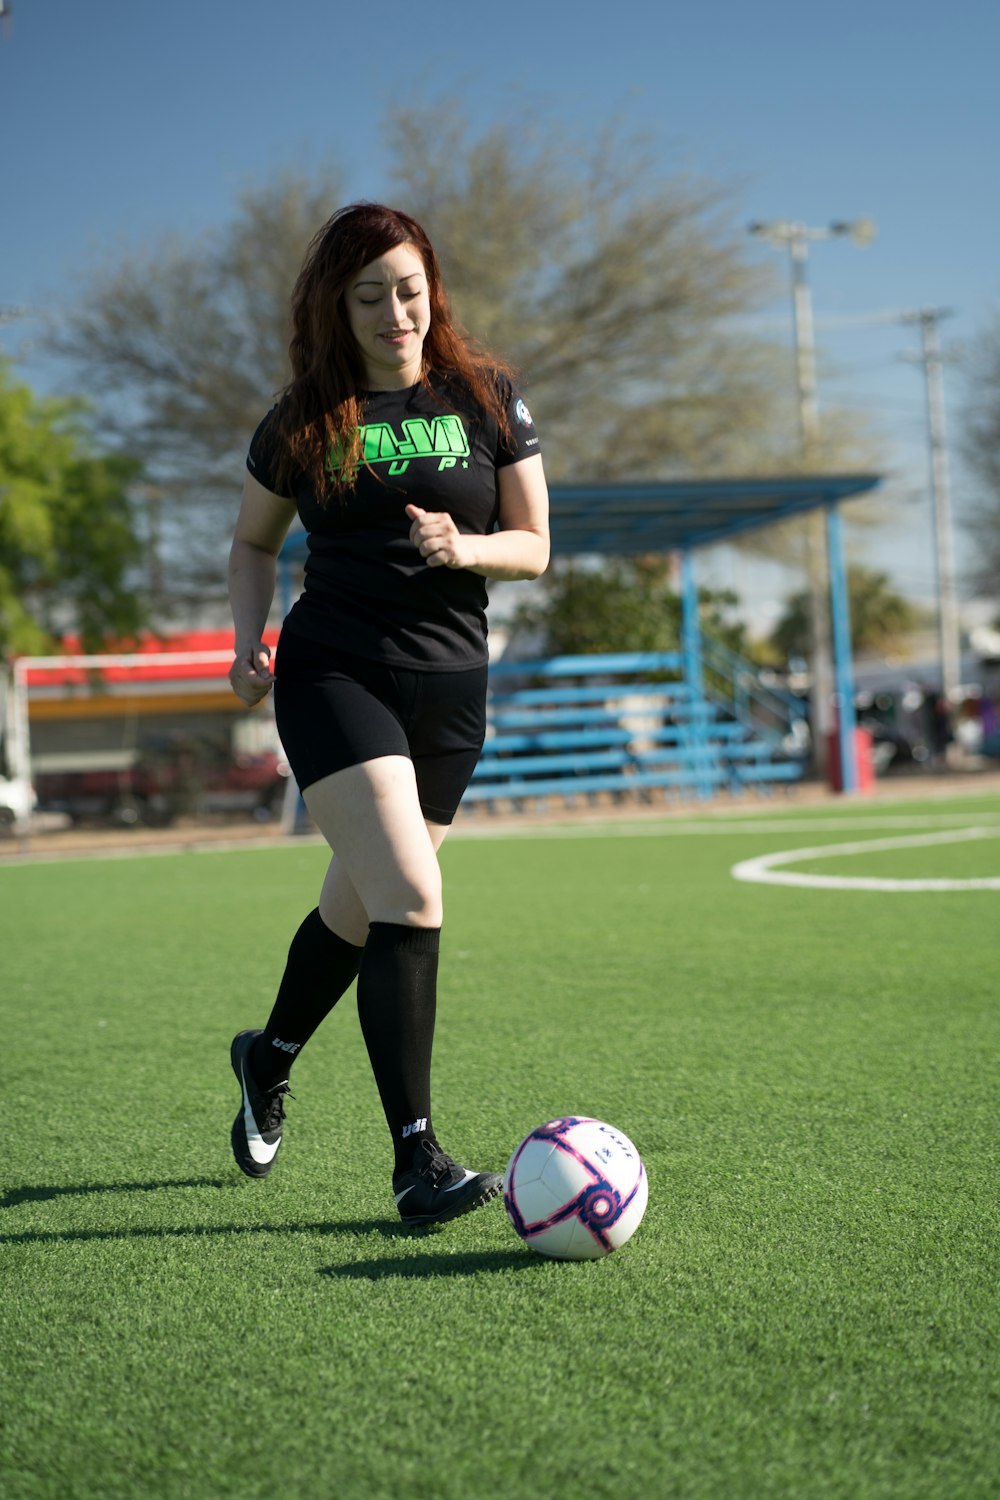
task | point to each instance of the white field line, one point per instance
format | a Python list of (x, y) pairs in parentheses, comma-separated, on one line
[(761, 870)]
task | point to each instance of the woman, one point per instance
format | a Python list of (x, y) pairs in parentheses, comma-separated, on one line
[(414, 466)]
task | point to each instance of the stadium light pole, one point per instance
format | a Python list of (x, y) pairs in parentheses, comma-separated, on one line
[(795, 237), (927, 320)]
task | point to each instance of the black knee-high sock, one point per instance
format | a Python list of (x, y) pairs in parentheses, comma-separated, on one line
[(319, 969), (397, 1002)]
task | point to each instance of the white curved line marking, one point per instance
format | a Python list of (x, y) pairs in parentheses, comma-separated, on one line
[(762, 869)]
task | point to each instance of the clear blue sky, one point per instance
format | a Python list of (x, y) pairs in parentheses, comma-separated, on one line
[(124, 121)]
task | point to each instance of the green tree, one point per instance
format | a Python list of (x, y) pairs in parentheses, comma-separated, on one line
[(68, 543), (628, 604), (880, 617)]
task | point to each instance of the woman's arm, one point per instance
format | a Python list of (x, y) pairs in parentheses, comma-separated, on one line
[(261, 528), (520, 549)]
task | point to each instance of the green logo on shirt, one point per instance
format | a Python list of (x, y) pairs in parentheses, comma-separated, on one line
[(443, 438)]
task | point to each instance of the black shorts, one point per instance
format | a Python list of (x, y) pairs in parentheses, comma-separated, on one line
[(335, 710)]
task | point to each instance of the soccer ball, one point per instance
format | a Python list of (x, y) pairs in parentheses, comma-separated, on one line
[(575, 1189)]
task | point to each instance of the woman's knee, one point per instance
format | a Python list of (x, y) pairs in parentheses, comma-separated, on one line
[(412, 899)]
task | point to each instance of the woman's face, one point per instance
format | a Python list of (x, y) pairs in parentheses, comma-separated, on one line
[(388, 311)]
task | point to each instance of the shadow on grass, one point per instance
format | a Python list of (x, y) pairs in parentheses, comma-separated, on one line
[(14, 1196), (464, 1263), (419, 1267), (352, 1227)]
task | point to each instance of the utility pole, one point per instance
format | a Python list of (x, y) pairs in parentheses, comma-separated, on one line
[(795, 236), (927, 320)]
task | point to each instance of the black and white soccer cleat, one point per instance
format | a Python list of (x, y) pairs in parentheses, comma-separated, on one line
[(257, 1129), (436, 1189)]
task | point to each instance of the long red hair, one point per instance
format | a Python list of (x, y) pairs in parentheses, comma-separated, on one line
[(320, 409)]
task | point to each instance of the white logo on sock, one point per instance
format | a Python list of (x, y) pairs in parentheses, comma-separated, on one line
[(292, 1047), (415, 1128)]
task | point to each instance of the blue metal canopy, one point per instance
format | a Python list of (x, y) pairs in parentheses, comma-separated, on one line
[(678, 515)]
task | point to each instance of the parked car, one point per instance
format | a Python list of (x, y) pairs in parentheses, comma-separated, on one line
[(168, 778)]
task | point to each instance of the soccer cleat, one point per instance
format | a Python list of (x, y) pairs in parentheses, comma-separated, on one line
[(436, 1189), (256, 1133)]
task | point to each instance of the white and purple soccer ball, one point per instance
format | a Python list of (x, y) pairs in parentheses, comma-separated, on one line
[(575, 1189)]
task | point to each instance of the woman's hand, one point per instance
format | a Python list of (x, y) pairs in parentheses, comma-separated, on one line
[(250, 675), (438, 539)]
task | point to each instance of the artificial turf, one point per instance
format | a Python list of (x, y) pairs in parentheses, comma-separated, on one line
[(808, 1309)]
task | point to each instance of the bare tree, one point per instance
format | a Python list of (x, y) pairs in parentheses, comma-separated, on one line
[(610, 285), (183, 345), (615, 288)]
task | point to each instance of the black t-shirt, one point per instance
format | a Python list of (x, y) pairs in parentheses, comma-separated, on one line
[(367, 589)]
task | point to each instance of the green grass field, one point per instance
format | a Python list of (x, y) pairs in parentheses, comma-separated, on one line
[(808, 1310)]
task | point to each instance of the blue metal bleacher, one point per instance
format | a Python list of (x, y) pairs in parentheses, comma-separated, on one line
[(628, 726)]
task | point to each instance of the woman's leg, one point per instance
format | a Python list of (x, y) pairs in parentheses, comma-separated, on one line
[(323, 961), (325, 953), (320, 967), (371, 816), (322, 964)]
